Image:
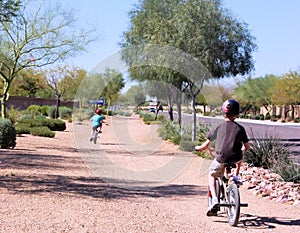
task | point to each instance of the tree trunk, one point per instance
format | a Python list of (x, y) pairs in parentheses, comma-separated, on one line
[(3, 107), (4, 99), (194, 126), (57, 108), (178, 102), (171, 113)]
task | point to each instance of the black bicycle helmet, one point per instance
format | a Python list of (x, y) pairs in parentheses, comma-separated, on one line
[(231, 108)]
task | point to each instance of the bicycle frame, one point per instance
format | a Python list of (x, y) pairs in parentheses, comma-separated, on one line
[(228, 196)]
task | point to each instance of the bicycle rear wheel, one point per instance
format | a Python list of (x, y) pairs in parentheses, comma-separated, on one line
[(233, 198), (217, 192)]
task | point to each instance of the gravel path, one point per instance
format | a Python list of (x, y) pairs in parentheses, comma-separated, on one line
[(130, 181)]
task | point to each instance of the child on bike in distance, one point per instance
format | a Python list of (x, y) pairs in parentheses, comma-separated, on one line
[(230, 139), (97, 121)]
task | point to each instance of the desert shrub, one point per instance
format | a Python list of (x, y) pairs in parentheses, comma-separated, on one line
[(13, 115), (22, 128), (148, 117), (42, 131), (261, 117), (269, 152), (39, 117), (45, 110), (65, 112), (7, 134), (51, 111), (24, 116), (183, 136), (81, 114), (268, 116), (170, 130), (161, 117), (34, 110), (52, 124)]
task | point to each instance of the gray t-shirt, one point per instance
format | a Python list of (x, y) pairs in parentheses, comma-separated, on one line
[(229, 137)]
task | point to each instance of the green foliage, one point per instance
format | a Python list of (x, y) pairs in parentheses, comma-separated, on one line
[(123, 113), (22, 128), (269, 152), (45, 110), (51, 111), (52, 124), (182, 137), (147, 117), (161, 117), (13, 115), (170, 131), (34, 110), (81, 114), (7, 134), (65, 112), (42, 131)]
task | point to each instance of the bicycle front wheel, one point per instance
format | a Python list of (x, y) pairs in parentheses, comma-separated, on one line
[(233, 199)]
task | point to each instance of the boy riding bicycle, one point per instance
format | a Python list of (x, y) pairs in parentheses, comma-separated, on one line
[(97, 121), (230, 139)]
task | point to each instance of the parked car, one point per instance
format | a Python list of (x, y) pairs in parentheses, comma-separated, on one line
[(151, 109)]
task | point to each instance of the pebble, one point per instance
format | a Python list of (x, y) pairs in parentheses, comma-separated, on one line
[(270, 185)]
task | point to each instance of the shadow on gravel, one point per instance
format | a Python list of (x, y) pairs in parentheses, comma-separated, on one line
[(252, 221), (17, 159), (248, 221), (92, 187)]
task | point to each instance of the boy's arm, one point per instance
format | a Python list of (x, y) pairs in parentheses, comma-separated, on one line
[(246, 146), (204, 146)]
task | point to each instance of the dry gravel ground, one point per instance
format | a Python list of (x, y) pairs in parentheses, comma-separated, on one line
[(63, 185)]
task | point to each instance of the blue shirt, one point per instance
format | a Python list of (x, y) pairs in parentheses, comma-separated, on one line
[(96, 120)]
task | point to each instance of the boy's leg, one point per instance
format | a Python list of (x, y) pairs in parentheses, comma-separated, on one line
[(238, 166), (92, 134), (216, 170), (236, 173)]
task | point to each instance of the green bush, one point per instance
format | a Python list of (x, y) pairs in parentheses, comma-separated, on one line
[(148, 117), (170, 130), (269, 152), (34, 110), (161, 117), (45, 110), (13, 115), (22, 128), (42, 131), (186, 143), (7, 134), (65, 112), (52, 124)]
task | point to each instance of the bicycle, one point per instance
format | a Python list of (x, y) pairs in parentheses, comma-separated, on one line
[(228, 196), (95, 135)]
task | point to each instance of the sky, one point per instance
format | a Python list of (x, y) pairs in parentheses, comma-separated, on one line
[(274, 24)]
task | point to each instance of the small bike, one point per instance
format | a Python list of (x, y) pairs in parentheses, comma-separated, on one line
[(228, 195)]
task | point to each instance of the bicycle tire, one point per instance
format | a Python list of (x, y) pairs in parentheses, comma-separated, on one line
[(233, 198)]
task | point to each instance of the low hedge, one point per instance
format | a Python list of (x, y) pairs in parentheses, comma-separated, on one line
[(52, 124), (42, 132)]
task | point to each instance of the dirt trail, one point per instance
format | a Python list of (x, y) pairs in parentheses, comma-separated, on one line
[(145, 185)]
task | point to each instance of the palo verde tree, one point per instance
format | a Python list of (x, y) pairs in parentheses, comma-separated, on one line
[(203, 29), (41, 34), (9, 9), (286, 91), (254, 92), (114, 82)]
